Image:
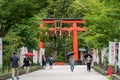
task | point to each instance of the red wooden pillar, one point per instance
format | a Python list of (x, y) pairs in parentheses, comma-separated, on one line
[(41, 44), (41, 25), (75, 41)]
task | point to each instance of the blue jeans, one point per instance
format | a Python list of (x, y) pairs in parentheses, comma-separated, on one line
[(72, 67)]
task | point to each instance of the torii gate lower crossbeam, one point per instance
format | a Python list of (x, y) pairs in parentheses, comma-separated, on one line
[(74, 28)]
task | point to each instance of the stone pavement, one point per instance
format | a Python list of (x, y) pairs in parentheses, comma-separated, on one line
[(63, 72)]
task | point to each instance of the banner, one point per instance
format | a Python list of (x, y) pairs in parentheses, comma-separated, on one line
[(103, 51), (1, 62), (41, 52), (35, 58), (111, 53), (95, 56), (119, 56), (22, 51)]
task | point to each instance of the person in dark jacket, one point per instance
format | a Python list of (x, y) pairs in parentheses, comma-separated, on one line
[(50, 61), (15, 63), (27, 64), (43, 61)]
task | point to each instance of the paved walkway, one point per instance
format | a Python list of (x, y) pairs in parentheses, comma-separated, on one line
[(63, 73)]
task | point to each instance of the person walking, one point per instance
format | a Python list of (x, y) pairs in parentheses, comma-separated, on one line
[(89, 61), (27, 64), (50, 61), (15, 63), (43, 61), (71, 62)]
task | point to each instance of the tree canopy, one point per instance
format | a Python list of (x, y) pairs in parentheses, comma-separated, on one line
[(14, 12), (20, 19)]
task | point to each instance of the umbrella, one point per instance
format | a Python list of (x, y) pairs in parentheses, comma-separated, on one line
[(70, 53), (88, 55), (28, 54)]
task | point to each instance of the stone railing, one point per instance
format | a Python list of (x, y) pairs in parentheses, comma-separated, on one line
[(9, 75), (115, 77), (98, 69)]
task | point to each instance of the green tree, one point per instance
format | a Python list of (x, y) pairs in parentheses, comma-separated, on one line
[(58, 9), (102, 23), (19, 25), (14, 12)]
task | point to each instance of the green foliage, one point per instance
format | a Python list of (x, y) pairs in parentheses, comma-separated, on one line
[(17, 12), (60, 57), (110, 78), (10, 43), (19, 22), (29, 36), (58, 9), (78, 8), (22, 35), (44, 37), (68, 45), (105, 60), (101, 23)]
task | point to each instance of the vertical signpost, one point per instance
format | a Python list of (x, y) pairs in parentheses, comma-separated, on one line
[(35, 57), (1, 53), (111, 57), (119, 56), (42, 52), (22, 51), (103, 53), (21, 56), (111, 53)]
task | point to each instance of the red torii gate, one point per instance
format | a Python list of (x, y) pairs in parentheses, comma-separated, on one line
[(74, 28)]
